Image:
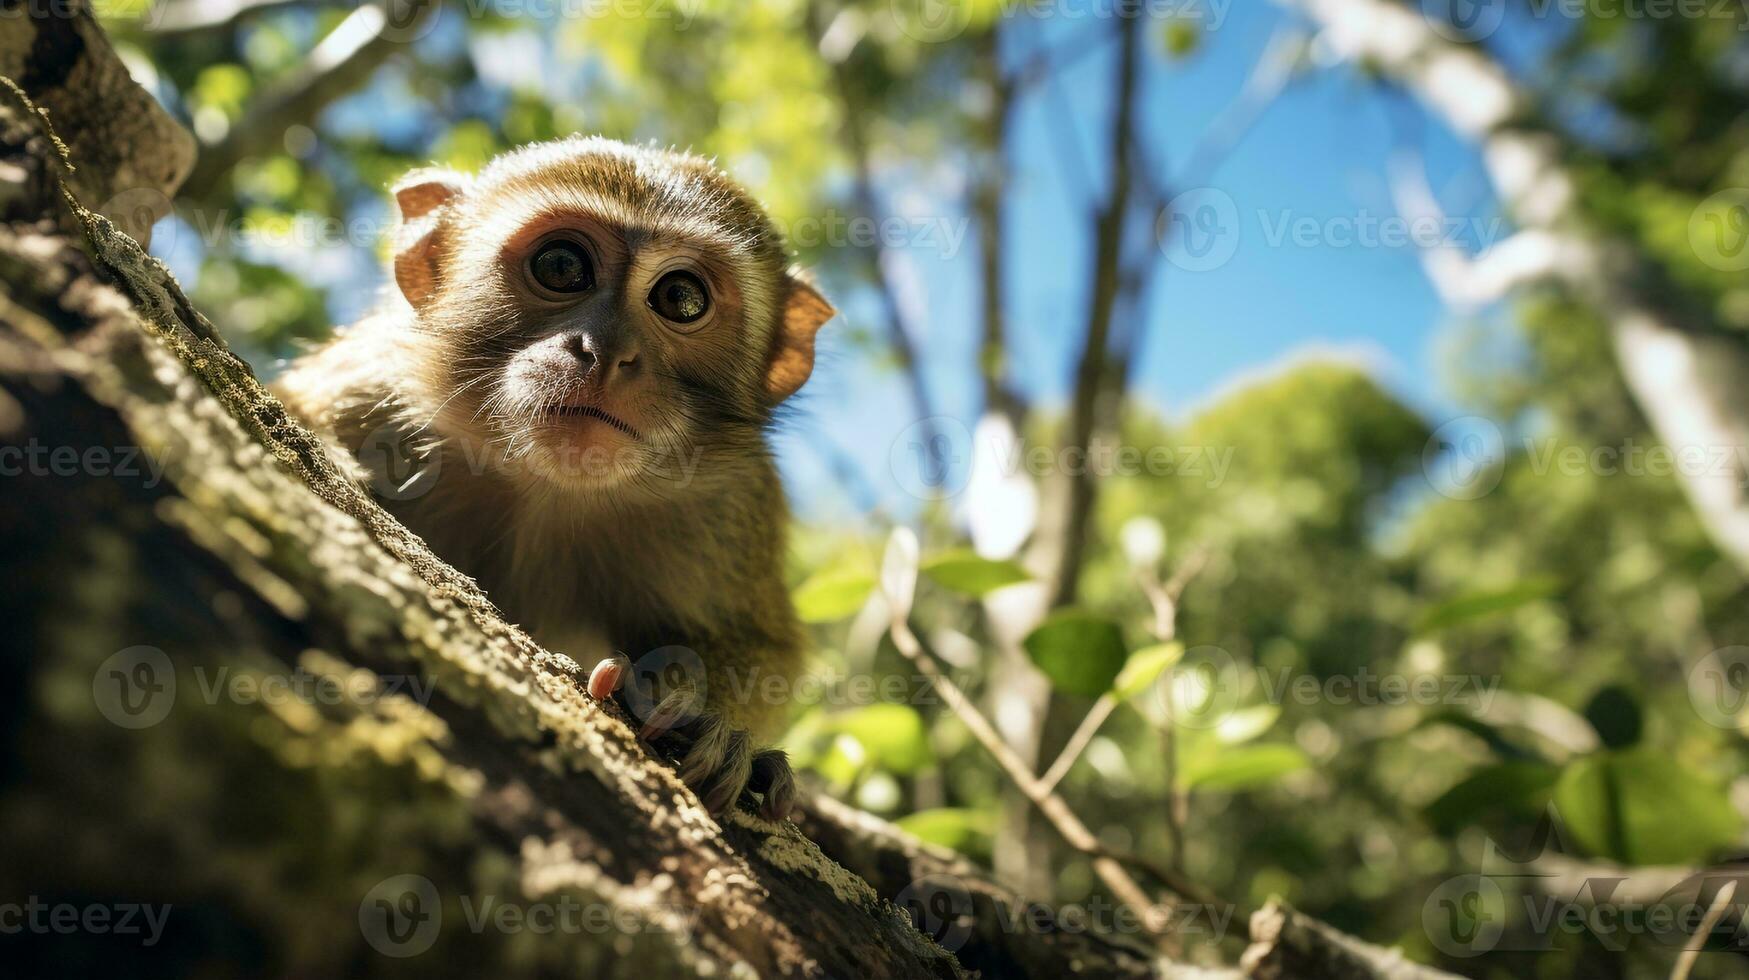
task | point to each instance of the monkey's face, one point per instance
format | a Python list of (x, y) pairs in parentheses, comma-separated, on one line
[(606, 317)]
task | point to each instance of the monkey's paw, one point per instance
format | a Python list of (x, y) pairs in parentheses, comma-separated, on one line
[(717, 761)]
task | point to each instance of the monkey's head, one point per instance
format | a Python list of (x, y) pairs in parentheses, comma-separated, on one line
[(599, 313)]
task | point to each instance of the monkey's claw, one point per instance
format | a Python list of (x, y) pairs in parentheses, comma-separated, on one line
[(717, 761), (606, 677)]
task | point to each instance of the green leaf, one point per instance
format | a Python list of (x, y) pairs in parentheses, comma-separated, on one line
[(1614, 713), (963, 571), (965, 830), (893, 736), (1081, 653), (1144, 667), (1182, 37), (1246, 724), (1503, 747), (1480, 605), (1640, 807), (1243, 768), (1520, 787), (833, 594)]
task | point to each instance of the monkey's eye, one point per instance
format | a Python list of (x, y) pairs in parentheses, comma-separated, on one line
[(563, 267), (680, 297)]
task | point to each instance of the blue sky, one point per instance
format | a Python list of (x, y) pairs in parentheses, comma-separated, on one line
[(1316, 158)]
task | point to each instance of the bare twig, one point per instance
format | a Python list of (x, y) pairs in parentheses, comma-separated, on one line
[(1164, 599), (341, 62), (1079, 741), (1094, 373), (194, 16), (1154, 917), (867, 202), (1691, 952)]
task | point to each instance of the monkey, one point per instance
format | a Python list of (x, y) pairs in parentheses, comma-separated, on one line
[(581, 357)]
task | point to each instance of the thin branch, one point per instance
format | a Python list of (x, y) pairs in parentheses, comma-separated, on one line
[(340, 63), (999, 395), (1691, 951), (1079, 741), (1164, 600), (1093, 373), (867, 202), (1154, 917), (194, 16), (1268, 79)]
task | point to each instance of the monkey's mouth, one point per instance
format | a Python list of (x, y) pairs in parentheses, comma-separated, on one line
[(591, 412)]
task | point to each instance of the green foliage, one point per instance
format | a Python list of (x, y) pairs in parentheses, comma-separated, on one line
[(964, 830), (1578, 599), (892, 736), (1615, 716), (1143, 668), (1242, 768), (1519, 789), (963, 571), (1480, 605), (1081, 653), (1640, 807), (833, 594)]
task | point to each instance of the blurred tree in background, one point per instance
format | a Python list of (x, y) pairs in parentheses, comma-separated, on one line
[(1580, 623)]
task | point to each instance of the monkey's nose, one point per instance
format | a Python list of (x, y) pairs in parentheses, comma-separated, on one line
[(598, 364)]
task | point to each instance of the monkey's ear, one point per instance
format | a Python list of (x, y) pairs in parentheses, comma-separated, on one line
[(421, 196), (792, 350)]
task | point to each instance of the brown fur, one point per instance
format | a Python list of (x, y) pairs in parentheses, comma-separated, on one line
[(683, 541)]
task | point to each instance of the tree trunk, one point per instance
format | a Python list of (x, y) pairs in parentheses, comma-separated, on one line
[(257, 725), (1691, 379)]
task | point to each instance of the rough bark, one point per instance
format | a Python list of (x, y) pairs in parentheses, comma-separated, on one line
[(253, 552), (132, 155), (1288, 944), (235, 688), (466, 769)]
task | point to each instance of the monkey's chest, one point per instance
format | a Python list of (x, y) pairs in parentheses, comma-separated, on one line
[(587, 605)]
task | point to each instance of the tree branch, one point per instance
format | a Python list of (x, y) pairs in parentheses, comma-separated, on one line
[(340, 63), (1690, 379)]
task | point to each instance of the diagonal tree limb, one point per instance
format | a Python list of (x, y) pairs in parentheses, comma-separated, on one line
[(1690, 378), (342, 62)]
